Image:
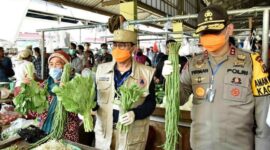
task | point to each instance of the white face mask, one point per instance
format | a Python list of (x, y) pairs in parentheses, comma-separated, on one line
[(56, 73)]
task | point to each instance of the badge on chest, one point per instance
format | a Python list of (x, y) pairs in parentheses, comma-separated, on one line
[(105, 78)]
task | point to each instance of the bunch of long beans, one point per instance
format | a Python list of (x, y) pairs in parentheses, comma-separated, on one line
[(60, 116), (172, 86)]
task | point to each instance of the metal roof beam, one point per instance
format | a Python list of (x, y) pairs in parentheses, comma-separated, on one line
[(150, 9), (88, 8)]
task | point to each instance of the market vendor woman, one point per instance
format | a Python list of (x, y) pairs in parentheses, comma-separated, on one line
[(109, 77), (56, 64)]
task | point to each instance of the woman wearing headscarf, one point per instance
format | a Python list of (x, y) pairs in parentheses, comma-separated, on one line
[(71, 129)]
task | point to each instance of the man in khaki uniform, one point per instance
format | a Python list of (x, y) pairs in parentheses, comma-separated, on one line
[(231, 90), (109, 77)]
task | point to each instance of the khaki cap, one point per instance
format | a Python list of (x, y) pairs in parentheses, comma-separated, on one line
[(124, 36)]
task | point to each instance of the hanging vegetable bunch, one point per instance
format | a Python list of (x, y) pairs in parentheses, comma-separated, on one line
[(172, 86), (60, 116), (127, 97), (32, 97), (78, 96)]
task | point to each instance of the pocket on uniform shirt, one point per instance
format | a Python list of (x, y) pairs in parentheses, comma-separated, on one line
[(137, 133), (103, 92), (199, 87), (235, 88)]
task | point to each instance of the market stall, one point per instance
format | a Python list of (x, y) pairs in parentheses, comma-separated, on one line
[(21, 120), (14, 136), (157, 130)]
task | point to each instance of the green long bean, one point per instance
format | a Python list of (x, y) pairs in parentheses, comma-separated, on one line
[(172, 86)]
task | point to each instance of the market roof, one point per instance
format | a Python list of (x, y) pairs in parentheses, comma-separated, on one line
[(148, 9)]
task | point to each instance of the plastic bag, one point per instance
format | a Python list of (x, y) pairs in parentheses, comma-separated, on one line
[(15, 126)]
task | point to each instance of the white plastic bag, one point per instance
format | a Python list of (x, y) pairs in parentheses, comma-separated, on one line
[(15, 126)]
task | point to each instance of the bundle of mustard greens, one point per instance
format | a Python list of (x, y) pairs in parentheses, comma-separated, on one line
[(172, 86), (78, 96), (32, 97), (127, 97)]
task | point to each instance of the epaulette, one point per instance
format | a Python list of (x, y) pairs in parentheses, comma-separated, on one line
[(245, 51)]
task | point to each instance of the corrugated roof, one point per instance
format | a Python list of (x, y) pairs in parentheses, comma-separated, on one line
[(145, 11)]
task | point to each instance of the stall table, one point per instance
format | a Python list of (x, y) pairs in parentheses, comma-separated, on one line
[(157, 130)]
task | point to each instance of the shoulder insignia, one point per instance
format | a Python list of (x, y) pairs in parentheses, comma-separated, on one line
[(232, 51)]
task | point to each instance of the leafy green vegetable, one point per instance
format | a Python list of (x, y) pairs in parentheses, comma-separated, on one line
[(32, 97), (160, 93), (172, 86), (127, 97), (78, 96)]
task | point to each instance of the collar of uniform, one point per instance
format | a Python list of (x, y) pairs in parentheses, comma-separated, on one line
[(109, 67), (134, 74), (133, 68), (221, 59)]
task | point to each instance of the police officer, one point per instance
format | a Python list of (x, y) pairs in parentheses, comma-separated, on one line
[(109, 77), (230, 87)]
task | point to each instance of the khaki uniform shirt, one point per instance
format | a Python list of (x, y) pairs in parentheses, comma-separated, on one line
[(228, 122), (136, 137)]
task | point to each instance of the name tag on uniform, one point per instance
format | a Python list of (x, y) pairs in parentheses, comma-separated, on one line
[(104, 78)]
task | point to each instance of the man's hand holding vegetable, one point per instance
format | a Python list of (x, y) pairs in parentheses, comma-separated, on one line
[(127, 118)]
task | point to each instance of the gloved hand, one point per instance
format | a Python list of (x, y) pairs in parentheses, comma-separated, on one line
[(80, 117), (167, 68), (127, 118), (92, 113)]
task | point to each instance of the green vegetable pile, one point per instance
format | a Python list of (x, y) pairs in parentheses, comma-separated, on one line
[(172, 86), (78, 96), (127, 97), (32, 97)]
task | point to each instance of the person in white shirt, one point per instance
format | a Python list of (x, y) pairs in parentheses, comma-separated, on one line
[(22, 66)]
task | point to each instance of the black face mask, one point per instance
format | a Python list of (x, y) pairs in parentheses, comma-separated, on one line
[(139, 53)]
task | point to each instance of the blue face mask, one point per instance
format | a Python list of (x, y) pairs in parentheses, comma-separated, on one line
[(56, 73), (72, 52)]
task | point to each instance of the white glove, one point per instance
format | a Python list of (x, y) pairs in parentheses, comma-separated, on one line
[(268, 117), (167, 68), (127, 118), (80, 117)]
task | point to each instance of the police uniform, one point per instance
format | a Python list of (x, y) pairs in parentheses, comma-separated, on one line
[(231, 95)]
